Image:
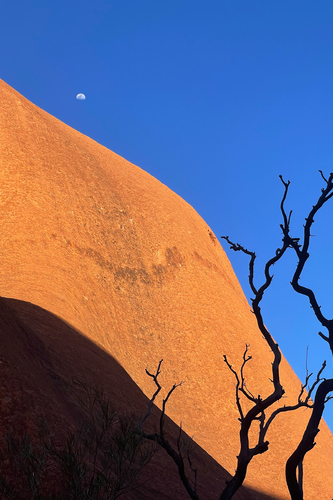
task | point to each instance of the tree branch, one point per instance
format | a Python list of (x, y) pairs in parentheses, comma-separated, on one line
[(160, 438), (301, 403), (238, 403), (302, 252), (151, 402)]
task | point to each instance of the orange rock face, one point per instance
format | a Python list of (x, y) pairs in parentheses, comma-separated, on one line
[(101, 244)]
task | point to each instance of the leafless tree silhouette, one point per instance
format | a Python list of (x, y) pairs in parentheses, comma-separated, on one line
[(295, 461), (302, 251), (257, 413)]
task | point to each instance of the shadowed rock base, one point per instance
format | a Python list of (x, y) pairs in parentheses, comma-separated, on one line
[(40, 356)]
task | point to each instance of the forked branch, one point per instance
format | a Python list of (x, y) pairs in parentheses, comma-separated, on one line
[(302, 252), (305, 402), (161, 440)]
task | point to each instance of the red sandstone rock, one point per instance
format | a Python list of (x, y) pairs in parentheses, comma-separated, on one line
[(101, 244)]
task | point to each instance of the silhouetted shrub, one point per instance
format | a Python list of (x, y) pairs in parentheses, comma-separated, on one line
[(99, 461)]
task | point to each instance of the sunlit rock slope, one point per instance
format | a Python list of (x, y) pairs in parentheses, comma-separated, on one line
[(129, 266)]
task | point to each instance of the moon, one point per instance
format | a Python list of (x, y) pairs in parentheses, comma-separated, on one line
[(80, 97)]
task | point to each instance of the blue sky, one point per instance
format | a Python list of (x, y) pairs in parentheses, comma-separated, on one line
[(215, 99)]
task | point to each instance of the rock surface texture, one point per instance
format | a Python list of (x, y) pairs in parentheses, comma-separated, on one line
[(112, 271)]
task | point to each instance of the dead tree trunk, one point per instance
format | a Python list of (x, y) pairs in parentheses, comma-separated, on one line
[(308, 440)]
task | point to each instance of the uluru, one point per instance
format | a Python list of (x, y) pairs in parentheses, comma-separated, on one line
[(104, 272)]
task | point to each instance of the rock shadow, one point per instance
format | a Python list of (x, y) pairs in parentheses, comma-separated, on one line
[(40, 355)]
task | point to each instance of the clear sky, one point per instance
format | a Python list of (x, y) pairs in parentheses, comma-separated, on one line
[(215, 99)]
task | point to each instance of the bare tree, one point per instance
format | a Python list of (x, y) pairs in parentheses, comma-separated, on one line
[(260, 405), (257, 412), (302, 251), (307, 442)]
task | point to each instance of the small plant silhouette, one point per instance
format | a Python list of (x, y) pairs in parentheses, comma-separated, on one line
[(99, 461)]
